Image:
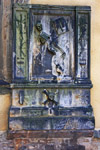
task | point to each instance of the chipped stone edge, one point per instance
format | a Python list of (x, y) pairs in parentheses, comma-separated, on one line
[(97, 133), (3, 135)]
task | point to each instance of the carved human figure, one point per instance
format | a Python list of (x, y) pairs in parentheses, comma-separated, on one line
[(60, 42), (54, 55), (42, 60)]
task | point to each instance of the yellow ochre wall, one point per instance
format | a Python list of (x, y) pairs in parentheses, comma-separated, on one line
[(5, 102), (95, 50)]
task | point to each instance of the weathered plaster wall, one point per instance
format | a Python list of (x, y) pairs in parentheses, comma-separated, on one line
[(5, 57), (4, 106), (95, 40), (5, 40)]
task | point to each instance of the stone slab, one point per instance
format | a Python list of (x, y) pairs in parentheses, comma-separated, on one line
[(47, 123)]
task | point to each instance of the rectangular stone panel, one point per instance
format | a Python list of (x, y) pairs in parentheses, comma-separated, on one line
[(83, 45), (64, 97), (51, 50), (20, 53)]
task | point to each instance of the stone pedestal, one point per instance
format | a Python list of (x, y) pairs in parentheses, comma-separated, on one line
[(51, 68)]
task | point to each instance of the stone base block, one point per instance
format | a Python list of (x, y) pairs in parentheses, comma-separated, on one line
[(29, 118), (54, 123)]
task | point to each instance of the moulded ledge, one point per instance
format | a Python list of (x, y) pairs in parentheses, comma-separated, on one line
[(49, 134), (57, 111), (60, 7), (49, 85)]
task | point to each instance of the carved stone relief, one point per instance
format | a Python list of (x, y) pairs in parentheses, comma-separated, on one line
[(83, 45), (21, 45), (52, 48), (56, 97), (50, 57)]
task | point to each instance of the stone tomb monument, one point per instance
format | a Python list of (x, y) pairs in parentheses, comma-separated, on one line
[(51, 68)]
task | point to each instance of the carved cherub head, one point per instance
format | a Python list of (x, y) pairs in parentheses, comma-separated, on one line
[(39, 26), (50, 95), (50, 98)]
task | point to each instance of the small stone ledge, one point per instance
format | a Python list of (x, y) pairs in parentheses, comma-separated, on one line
[(49, 134)]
